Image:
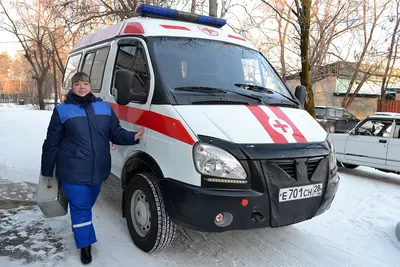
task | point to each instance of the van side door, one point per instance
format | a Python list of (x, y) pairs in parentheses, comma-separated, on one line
[(130, 54)]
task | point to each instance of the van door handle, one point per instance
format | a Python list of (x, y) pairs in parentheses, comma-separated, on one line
[(383, 141)]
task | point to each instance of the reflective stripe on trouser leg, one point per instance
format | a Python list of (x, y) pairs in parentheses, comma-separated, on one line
[(80, 205)]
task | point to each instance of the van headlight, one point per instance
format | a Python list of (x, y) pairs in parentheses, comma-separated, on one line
[(214, 161), (332, 154)]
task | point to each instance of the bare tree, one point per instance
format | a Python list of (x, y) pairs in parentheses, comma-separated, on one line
[(5, 66), (32, 37), (193, 6), (368, 34), (302, 12), (283, 25), (226, 5), (331, 19), (213, 6), (392, 50)]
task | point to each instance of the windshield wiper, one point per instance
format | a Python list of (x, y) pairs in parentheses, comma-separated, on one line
[(211, 90), (258, 88), (200, 89)]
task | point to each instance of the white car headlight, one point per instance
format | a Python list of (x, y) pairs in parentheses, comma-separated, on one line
[(214, 161), (332, 155)]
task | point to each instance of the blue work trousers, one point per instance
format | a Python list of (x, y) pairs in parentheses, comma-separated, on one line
[(81, 199)]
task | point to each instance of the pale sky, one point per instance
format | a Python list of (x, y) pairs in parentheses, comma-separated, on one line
[(10, 44)]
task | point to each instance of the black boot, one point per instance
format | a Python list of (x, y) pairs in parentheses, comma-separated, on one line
[(86, 255)]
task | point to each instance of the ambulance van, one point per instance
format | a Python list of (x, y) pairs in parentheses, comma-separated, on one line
[(227, 145)]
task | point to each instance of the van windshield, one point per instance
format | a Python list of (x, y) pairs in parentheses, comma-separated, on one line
[(198, 64)]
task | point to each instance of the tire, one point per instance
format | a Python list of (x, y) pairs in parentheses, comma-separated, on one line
[(149, 225), (349, 166)]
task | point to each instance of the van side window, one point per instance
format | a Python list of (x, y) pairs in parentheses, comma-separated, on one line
[(94, 65), (132, 57), (87, 65), (70, 69)]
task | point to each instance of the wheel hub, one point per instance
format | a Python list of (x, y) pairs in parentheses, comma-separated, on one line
[(140, 212)]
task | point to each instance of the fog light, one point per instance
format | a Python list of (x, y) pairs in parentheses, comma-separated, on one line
[(334, 180), (223, 219)]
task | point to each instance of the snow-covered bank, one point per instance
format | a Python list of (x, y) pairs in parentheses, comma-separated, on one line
[(358, 230), (22, 132)]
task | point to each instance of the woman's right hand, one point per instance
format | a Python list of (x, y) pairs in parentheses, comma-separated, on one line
[(139, 133)]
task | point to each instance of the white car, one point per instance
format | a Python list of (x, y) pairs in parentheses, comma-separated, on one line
[(374, 142)]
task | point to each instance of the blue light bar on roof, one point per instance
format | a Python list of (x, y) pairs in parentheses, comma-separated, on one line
[(161, 12)]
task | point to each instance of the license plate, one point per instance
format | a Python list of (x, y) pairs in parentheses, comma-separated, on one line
[(300, 192)]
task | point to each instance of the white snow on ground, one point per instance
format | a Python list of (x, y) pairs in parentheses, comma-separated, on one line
[(22, 132), (358, 230)]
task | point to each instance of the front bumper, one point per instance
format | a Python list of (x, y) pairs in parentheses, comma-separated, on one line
[(196, 207)]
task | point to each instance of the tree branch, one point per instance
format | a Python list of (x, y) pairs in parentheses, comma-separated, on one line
[(280, 15)]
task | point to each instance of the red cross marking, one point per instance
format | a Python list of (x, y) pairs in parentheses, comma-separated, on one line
[(208, 31), (219, 217), (280, 125)]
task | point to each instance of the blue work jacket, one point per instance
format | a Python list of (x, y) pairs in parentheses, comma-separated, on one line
[(78, 141)]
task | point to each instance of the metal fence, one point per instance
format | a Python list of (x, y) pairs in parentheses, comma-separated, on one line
[(390, 106), (22, 99), (15, 98)]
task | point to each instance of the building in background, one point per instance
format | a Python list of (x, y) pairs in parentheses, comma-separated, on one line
[(330, 83)]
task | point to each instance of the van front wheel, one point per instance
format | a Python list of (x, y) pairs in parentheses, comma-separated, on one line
[(149, 225)]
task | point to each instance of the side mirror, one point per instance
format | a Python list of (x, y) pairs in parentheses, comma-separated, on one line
[(300, 94), (123, 89)]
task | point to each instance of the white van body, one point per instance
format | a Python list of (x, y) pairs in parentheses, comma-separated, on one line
[(215, 156)]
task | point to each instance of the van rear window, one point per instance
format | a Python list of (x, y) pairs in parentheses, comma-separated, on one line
[(94, 65), (70, 70)]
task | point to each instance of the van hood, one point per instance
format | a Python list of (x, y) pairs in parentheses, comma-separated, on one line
[(245, 124)]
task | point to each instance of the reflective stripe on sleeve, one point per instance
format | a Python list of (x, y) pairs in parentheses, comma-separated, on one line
[(81, 224)]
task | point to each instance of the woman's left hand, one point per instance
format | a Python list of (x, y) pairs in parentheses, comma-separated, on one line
[(139, 133)]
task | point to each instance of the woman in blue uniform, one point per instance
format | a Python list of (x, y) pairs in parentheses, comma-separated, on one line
[(77, 144)]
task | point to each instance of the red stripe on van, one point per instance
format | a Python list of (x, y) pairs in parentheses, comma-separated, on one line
[(174, 27), (263, 118), (236, 37), (155, 121), (297, 135)]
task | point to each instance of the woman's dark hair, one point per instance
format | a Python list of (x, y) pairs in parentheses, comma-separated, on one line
[(80, 77)]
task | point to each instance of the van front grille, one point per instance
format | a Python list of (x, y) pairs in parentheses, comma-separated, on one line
[(289, 166), (312, 164)]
